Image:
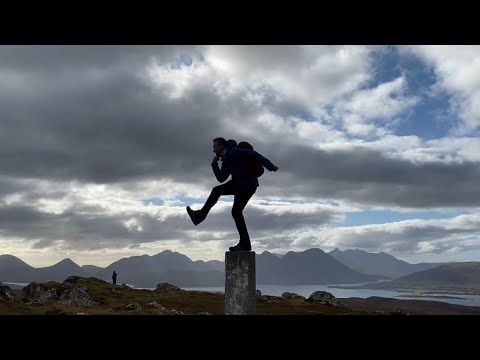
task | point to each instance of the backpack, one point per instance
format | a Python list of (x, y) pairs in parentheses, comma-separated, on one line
[(253, 167)]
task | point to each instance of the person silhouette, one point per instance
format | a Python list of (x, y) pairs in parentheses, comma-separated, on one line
[(242, 185), (114, 277)]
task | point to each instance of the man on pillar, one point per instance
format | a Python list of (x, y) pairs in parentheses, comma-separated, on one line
[(242, 164)]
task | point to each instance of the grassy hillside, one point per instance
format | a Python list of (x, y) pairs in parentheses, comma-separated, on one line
[(115, 300), (73, 296)]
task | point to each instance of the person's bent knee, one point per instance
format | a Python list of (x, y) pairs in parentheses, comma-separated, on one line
[(216, 192)]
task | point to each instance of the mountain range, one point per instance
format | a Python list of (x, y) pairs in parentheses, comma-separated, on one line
[(378, 263), (310, 267)]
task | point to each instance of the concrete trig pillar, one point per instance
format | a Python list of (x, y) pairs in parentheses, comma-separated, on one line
[(240, 283)]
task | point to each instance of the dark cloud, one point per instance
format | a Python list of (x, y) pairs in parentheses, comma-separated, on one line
[(122, 130), (369, 177), (69, 58)]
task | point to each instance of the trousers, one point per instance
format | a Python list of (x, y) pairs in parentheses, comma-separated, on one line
[(242, 194)]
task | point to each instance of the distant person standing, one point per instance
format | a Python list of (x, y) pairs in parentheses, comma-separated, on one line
[(114, 277)]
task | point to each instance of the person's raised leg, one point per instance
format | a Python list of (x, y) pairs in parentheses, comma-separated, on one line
[(197, 216)]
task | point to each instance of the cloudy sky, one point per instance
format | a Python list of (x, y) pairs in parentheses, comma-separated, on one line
[(102, 147)]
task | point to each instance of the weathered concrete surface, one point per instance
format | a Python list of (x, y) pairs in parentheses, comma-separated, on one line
[(240, 283)]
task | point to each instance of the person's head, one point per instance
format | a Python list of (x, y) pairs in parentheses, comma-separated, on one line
[(219, 144)]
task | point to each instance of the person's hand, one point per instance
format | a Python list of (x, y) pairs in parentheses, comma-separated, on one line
[(215, 159), (275, 168)]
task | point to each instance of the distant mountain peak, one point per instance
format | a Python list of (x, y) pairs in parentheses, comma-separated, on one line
[(170, 253), (66, 261), (313, 251), (8, 260), (355, 251), (335, 251), (8, 256)]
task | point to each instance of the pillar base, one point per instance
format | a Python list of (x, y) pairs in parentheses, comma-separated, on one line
[(240, 283)]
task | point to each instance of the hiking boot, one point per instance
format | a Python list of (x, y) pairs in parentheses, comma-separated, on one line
[(192, 215), (240, 247)]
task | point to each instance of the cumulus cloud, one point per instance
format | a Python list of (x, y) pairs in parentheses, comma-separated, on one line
[(457, 69), (368, 111)]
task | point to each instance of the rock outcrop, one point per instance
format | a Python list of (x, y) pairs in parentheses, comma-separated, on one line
[(70, 292), (168, 287), (324, 297), (6, 294)]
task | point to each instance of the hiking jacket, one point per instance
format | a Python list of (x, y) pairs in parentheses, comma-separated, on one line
[(234, 163)]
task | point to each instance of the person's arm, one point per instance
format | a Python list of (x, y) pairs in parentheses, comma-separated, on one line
[(221, 174), (253, 154)]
